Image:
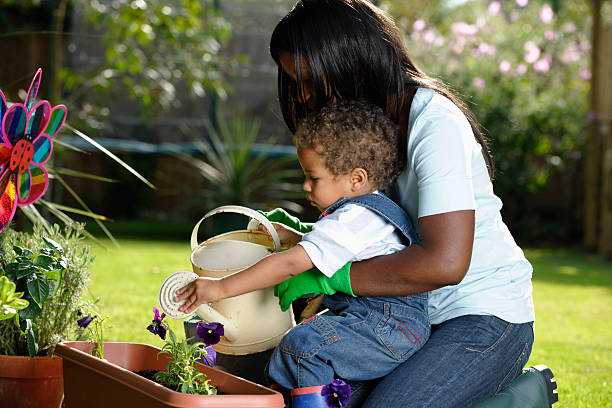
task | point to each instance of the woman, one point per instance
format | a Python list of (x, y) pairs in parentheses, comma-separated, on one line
[(480, 301)]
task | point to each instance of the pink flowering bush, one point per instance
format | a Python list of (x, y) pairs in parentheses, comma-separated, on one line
[(524, 68)]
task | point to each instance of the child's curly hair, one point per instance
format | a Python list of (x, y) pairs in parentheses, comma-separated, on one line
[(351, 134)]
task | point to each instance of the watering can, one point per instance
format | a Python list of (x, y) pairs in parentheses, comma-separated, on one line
[(253, 321)]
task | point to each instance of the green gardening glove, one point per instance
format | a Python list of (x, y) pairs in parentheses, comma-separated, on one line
[(281, 216), (312, 280)]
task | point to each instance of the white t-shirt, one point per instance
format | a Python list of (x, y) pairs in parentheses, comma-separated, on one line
[(351, 233), (446, 172)]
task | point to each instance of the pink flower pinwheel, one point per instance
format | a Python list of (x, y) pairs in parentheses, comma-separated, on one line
[(25, 146)]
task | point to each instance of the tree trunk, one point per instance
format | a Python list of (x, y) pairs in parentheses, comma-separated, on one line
[(598, 160), (604, 128), (592, 161)]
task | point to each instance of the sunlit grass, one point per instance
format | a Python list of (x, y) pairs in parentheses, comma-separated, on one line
[(573, 299), (572, 294), (128, 279)]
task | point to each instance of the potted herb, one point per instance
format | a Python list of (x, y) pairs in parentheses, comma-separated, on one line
[(133, 374), (48, 269)]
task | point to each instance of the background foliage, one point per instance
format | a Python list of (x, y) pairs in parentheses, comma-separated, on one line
[(522, 65), (153, 50), (524, 68)]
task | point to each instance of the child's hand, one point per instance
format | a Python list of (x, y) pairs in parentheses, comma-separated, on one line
[(288, 236), (201, 290)]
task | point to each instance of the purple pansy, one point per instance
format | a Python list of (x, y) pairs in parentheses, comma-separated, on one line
[(210, 333), (210, 358), (157, 326), (336, 393), (83, 322)]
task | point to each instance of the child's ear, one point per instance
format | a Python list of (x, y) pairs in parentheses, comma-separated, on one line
[(359, 178)]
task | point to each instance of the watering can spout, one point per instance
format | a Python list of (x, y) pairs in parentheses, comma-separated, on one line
[(167, 293)]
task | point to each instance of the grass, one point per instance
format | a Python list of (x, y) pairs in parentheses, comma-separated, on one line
[(573, 299), (572, 295), (128, 279)]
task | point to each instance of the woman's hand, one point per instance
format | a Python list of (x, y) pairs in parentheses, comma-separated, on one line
[(201, 290), (288, 236)]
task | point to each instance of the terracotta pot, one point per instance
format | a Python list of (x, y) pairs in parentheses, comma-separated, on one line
[(91, 382), (31, 382)]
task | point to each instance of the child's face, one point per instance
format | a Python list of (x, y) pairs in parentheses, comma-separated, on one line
[(323, 187)]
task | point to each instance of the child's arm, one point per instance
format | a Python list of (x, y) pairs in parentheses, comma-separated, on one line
[(269, 271)]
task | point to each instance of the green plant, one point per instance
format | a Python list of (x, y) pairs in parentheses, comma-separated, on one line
[(51, 268), (181, 373), (155, 50), (94, 331), (10, 301), (236, 173)]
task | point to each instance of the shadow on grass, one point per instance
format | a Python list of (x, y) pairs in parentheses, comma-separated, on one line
[(570, 267)]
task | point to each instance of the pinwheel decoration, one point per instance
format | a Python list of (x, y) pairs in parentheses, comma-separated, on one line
[(26, 143)]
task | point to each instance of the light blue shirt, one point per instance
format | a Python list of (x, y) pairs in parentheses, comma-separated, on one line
[(446, 172)]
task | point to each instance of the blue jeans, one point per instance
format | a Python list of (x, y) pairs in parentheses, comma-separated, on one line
[(465, 361), (366, 338)]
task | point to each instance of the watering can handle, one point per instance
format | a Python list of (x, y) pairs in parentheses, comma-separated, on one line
[(239, 210)]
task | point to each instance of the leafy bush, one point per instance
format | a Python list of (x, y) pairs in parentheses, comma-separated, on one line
[(152, 51), (525, 65)]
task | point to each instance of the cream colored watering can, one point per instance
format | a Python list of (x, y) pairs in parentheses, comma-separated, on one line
[(253, 322)]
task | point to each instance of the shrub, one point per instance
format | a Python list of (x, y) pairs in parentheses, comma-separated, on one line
[(525, 67)]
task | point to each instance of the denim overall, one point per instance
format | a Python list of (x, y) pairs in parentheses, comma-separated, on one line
[(365, 337)]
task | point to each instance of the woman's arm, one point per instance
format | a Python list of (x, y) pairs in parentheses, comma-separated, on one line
[(267, 272), (442, 258)]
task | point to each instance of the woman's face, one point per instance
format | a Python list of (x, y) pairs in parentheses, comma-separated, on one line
[(307, 94)]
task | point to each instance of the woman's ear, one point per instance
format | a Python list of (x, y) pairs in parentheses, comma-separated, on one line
[(358, 179)]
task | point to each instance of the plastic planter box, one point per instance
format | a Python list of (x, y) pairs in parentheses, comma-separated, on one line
[(92, 382)]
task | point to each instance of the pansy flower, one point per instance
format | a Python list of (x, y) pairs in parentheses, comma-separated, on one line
[(210, 333), (157, 326), (85, 321), (210, 358), (336, 394), (26, 134)]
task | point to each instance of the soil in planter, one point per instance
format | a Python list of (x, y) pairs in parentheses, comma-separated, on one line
[(150, 374)]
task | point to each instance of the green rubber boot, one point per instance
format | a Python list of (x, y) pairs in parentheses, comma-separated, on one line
[(534, 388)]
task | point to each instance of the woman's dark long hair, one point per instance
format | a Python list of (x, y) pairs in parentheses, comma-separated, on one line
[(354, 51)]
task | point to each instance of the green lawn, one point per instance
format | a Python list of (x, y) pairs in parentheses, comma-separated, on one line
[(572, 293), (573, 299)]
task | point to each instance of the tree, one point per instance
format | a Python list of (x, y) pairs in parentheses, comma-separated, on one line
[(152, 50)]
